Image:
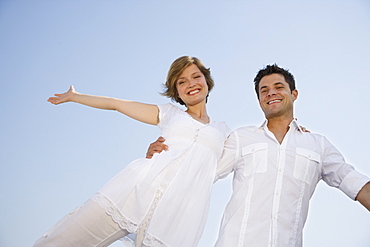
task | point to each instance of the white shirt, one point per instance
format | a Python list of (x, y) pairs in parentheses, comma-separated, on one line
[(274, 182)]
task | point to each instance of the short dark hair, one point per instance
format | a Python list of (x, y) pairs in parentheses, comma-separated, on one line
[(273, 69)]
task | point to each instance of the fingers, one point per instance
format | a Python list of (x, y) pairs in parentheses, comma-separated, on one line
[(153, 149), (62, 97), (53, 100), (304, 129), (156, 147), (161, 139), (159, 144), (165, 147)]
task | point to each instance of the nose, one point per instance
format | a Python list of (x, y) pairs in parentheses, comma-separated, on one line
[(271, 92), (191, 83)]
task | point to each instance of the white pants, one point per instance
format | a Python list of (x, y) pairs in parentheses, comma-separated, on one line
[(87, 226)]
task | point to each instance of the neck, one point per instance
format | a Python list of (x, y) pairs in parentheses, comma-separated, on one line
[(279, 126), (199, 113)]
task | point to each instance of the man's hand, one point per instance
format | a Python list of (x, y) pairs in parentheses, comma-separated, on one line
[(156, 147)]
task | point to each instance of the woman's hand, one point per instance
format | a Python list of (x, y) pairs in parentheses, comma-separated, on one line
[(64, 97), (142, 112)]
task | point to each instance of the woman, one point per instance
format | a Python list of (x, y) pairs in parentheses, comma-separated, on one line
[(164, 200)]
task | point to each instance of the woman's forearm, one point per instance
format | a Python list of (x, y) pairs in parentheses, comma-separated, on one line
[(142, 112), (100, 102)]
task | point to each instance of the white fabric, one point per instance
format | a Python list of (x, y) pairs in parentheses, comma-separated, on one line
[(170, 191), (79, 228), (274, 182)]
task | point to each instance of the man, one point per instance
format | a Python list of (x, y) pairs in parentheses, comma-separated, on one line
[(276, 169)]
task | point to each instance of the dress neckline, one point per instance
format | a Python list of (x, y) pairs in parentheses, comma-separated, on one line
[(197, 120)]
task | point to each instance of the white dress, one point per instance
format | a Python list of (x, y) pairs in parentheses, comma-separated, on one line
[(168, 195)]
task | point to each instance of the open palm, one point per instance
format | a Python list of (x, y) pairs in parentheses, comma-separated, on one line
[(62, 98)]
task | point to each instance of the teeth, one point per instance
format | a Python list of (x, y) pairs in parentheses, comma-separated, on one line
[(193, 92), (274, 101)]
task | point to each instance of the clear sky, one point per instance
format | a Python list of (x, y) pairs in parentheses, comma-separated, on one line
[(53, 158)]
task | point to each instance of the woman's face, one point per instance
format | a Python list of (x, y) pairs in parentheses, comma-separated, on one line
[(191, 86)]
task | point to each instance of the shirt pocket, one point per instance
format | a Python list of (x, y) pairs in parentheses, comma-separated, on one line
[(307, 164), (255, 158)]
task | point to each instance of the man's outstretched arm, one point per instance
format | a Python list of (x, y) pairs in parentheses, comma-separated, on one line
[(364, 196)]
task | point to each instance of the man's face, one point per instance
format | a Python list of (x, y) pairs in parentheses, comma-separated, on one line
[(275, 97)]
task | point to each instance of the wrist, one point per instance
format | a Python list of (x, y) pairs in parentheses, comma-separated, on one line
[(74, 97)]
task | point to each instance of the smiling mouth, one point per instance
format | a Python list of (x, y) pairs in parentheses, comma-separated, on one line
[(194, 92), (274, 101)]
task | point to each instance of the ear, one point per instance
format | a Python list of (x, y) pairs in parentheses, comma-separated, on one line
[(295, 94)]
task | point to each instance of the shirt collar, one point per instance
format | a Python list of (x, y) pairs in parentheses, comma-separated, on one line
[(263, 125), (293, 125)]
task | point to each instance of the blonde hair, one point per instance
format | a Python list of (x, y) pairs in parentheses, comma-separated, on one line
[(177, 67)]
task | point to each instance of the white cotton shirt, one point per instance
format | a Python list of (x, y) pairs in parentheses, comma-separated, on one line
[(274, 182)]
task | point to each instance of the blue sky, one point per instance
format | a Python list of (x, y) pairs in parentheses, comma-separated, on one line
[(53, 158)]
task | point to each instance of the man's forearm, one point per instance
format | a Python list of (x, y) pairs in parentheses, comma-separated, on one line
[(364, 196)]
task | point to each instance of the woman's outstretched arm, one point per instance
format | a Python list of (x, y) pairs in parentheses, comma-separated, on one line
[(142, 112)]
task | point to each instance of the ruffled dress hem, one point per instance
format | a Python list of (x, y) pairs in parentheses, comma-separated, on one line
[(126, 224), (113, 212)]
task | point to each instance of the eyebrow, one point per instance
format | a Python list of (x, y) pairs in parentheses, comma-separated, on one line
[(275, 84), (181, 78), (278, 83)]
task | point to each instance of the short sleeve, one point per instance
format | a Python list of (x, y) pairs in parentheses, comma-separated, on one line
[(164, 110)]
